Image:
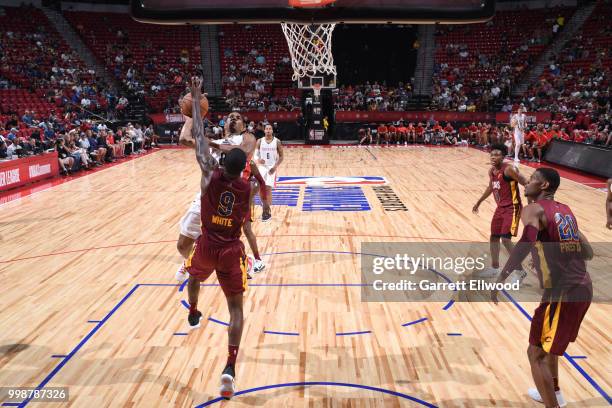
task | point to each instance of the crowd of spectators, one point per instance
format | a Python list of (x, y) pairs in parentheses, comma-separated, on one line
[(80, 144), (34, 57), (488, 60), (537, 137), (249, 85), (372, 97)]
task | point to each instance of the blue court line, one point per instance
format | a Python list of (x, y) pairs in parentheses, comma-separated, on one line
[(52, 374), (567, 356), (68, 357), (11, 404), (422, 319), (180, 334), (325, 383), (454, 334), (184, 303), (217, 321), (93, 321), (58, 356), (578, 357), (449, 304), (354, 333), (281, 333)]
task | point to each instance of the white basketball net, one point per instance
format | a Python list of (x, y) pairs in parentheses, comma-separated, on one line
[(311, 48)]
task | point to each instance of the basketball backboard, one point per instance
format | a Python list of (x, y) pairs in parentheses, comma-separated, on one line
[(312, 11)]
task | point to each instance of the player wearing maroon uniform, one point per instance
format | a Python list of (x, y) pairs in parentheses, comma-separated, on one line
[(224, 209), (551, 232), (503, 184)]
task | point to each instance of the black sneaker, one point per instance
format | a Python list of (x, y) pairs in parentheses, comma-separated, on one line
[(266, 216), (194, 319), (228, 385)]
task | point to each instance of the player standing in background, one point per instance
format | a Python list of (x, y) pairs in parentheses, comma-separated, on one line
[(268, 156), (551, 232), (518, 122), (609, 205), (503, 184), (225, 207)]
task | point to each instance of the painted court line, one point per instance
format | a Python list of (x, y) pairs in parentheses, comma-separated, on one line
[(414, 322), (322, 383), (94, 330), (354, 333), (281, 333)]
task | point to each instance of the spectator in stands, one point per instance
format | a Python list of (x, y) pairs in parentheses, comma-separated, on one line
[(98, 153), (109, 155), (3, 149), (14, 150), (64, 157)]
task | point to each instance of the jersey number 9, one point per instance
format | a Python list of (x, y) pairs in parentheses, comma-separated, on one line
[(226, 203)]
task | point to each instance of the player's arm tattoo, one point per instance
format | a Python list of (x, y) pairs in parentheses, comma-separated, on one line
[(203, 156)]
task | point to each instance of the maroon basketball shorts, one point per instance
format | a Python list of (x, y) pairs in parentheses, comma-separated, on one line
[(228, 261), (555, 324), (506, 221)]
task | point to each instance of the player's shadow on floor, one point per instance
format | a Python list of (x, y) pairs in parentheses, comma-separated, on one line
[(454, 368)]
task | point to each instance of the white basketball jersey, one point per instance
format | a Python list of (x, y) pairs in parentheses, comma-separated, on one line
[(269, 152), (234, 140), (520, 122)]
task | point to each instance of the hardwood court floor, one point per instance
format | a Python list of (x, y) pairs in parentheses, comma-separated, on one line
[(80, 261)]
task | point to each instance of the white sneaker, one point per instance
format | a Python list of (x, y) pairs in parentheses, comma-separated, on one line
[(534, 394), (258, 266), (517, 276), (228, 386), (181, 275), (486, 273)]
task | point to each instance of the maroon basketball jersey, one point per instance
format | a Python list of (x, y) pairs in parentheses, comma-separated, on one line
[(505, 190), (559, 260), (225, 205)]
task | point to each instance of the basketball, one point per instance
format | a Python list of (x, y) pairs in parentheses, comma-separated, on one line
[(186, 105)]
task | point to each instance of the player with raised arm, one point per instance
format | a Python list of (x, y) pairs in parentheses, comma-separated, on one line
[(190, 222), (268, 156), (503, 184), (225, 207), (609, 205), (551, 233)]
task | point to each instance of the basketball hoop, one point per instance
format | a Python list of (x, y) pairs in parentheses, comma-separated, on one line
[(310, 48), (317, 90)]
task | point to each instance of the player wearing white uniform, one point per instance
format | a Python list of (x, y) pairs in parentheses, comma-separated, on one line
[(519, 124), (190, 223), (268, 156)]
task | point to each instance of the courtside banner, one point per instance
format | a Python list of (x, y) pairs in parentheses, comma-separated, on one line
[(16, 173), (532, 117), (461, 272), (592, 159), (331, 181)]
